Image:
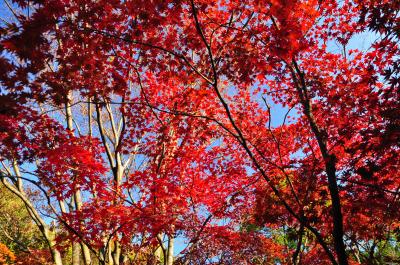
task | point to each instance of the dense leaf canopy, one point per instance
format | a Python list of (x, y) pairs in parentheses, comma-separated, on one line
[(240, 132)]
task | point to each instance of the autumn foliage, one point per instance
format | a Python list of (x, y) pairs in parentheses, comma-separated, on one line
[(204, 132), (6, 256)]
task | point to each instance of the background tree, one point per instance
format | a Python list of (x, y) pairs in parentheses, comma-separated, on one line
[(18, 231), (6, 255)]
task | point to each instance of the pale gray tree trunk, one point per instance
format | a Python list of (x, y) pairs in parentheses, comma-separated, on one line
[(76, 247), (170, 251)]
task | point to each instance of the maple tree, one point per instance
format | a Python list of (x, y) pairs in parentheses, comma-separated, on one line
[(256, 132)]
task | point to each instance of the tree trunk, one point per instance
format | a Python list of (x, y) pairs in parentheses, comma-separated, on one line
[(77, 199), (116, 254), (49, 236), (330, 166), (336, 213), (87, 259), (76, 253), (170, 251), (56, 256)]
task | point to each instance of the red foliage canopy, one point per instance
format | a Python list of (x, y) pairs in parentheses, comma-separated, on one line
[(226, 123)]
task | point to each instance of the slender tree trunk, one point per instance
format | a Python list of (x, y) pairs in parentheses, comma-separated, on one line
[(56, 256), (116, 254), (85, 250), (76, 248), (115, 160), (296, 256), (87, 259), (109, 254), (76, 253), (49, 235), (330, 166), (336, 213), (170, 251)]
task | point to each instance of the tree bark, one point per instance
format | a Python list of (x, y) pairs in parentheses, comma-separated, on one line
[(76, 253), (170, 251), (330, 165), (77, 199)]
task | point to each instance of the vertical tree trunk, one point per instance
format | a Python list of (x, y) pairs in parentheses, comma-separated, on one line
[(109, 254), (116, 254), (49, 236), (77, 199), (85, 250), (76, 253), (330, 165), (76, 248), (87, 259), (170, 251), (336, 212), (56, 257)]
